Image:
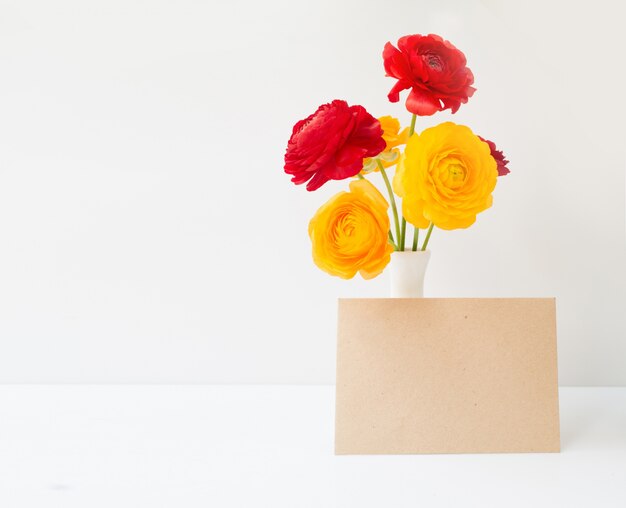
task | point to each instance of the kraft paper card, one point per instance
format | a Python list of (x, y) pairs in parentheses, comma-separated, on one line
[(441, 375)]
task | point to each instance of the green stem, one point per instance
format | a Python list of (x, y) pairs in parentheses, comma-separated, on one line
[(403, 234), (392, 199), (361, 177), (416, 235), (395, 247), (412, 128), (430, 230)]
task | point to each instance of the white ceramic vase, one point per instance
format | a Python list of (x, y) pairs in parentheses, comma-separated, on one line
[(407, 270)]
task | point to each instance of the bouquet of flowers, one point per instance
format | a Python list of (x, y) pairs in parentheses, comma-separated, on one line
[(443, 176)]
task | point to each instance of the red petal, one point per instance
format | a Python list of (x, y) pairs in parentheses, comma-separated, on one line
[(317, 181), (349, 153), (390, 54), (340, 172), (394, 94), (421, 103)]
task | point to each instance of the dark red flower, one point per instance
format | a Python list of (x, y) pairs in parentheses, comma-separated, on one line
[(433, 69), (498, 156), (332, 143)]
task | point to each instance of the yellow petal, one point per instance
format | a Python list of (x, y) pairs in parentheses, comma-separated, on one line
[(446, 176), (349, 233)]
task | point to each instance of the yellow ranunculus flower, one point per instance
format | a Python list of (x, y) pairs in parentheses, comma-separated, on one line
[(393, 137), (391, 132), (350, 233), (446, 177)]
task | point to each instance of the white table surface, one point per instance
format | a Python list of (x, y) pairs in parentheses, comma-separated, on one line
[(272, 446)]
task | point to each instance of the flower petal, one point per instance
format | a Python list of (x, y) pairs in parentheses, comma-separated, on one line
[(394, 93), (422, 103)]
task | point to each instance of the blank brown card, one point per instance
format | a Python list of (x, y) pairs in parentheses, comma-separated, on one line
[(441, 375)]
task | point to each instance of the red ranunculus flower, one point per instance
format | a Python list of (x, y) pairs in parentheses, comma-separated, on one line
[(332, 143), (498, 156), (433, 69)]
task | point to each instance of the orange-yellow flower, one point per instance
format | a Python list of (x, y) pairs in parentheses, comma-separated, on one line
[(446, 177), (349, 233), (393, 137)]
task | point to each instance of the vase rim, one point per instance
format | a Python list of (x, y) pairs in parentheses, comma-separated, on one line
[(409, 251)]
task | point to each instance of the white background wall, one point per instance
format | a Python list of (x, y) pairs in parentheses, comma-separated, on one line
[(148, 233)]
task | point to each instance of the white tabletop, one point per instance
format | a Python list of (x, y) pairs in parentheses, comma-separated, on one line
[(272, 446)]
